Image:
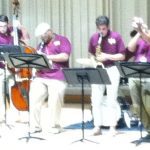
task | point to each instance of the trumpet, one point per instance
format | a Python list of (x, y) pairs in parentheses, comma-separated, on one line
[(40, 48)]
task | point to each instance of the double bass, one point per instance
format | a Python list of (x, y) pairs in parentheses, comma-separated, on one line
[(20, 90)]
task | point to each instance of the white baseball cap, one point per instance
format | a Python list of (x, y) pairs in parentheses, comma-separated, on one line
[(41, 29)]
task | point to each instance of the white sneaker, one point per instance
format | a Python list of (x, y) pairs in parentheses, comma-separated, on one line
[(112, 131), (96, 131), (55, 130), (35, 130)]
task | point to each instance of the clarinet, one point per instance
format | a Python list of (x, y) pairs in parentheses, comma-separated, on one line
[(41, 46), (98, 50), (39, 51)]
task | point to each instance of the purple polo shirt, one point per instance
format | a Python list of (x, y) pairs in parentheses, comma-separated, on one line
[(5, 39), (59, 44), (142, 51), (111, 44)]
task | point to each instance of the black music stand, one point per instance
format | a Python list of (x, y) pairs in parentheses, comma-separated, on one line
[(28, 61), (135, 70), (82, 76), (5, 50)]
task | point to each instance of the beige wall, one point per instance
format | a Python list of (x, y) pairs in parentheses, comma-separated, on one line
[(76, 18)]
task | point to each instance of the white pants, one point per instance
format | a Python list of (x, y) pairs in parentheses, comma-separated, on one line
[(2, 102), (3, 92), (106, 109), (42, 89)]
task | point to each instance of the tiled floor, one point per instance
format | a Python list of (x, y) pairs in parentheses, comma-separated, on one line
[(70, 139)]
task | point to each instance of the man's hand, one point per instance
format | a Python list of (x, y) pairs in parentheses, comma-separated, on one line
[(17, 24), (101, 57), (40, 53), (139, 25)]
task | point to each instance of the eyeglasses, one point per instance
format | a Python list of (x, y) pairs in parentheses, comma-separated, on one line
[(3, 25)]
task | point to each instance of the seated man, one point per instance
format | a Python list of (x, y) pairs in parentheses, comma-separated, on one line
[(49, 83), (6, 38)]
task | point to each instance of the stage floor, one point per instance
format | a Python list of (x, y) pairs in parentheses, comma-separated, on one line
[(70, 138)]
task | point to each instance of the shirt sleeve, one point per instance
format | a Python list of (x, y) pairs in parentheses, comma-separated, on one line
[(65, 46), (120, 45), (91, 47)]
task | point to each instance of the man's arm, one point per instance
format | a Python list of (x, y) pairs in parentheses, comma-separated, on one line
[(139, 25), (114, 57), (62, 57), (143, 32), (133, 43)]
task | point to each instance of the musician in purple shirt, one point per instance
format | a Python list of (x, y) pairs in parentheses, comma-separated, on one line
[(6, 32), (6, 38), (49, 83), (140, 47), (106, 47)]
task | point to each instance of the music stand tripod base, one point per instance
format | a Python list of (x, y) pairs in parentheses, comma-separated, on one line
[(30, 137)]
